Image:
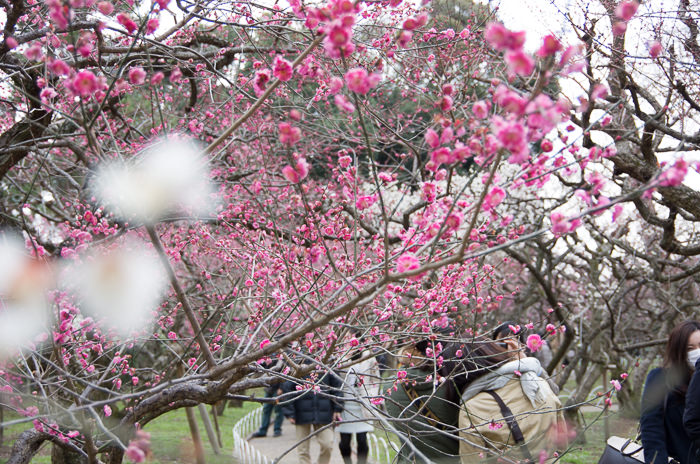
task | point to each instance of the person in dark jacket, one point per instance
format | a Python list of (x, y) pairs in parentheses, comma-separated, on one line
[(664, 398), (316, 404), (691, 416), (271, 391)]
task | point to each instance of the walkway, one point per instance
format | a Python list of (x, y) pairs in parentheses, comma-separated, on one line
[(274, 446)]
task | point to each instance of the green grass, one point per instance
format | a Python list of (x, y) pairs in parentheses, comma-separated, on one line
[(592, 449), (171, 441), (9, 435)]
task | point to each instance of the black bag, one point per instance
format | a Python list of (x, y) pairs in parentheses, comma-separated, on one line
[(622, 451)]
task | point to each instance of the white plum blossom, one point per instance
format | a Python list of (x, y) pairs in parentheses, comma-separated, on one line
[(119, 288), (47, 197), (169, 177), (24, 282)]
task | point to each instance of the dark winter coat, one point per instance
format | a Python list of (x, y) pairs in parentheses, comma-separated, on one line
[(661, 423), (691, 416), (313, 407), (433, 423)]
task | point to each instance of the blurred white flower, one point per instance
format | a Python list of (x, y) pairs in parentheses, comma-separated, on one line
[(23, 306), (47, 197), (119, 288), (169, 177)]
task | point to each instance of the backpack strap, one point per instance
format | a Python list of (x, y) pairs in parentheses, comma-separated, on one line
[(512, 425)]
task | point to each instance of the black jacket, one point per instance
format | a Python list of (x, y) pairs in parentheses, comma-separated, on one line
[(691, 416), (310, 406), (661, 424)]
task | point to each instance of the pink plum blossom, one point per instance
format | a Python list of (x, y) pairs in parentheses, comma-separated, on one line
[(519, 62), (655, 49), (480, 109), (494, 425), (335, 85), (34, 52), (550, 46), (493, 198), (501, 38), (534, 342), (626, 10), (137, 76), (127, 22), (282, 69), (442, 156), (454, 220), (619, 28), (407, 262), (260, 81), (157, 78), (152, 26), (673, 177), (59, 67), (359, 81), (289, 135), (616, 384), (600, 91), (513, 137), (85, 83), (429, 191), (106, 8), (560, 224), (297, 173), (343, 104), (135, 454), (365, 201), (432, 138)]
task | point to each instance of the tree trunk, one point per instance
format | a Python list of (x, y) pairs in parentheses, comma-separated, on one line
[(26, 446), (196, 438), (213, 439), (60, 455)]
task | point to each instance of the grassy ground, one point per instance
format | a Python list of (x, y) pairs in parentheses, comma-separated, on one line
[(171, 441), (592, 449)]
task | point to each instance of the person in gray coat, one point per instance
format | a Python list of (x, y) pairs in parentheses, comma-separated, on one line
[(360, 382)]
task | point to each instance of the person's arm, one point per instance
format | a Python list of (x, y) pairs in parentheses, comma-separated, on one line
[(336, 390), (652, 420), (691, 415)]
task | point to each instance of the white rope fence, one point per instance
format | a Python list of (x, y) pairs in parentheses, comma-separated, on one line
[(242, 450), (245, 453)]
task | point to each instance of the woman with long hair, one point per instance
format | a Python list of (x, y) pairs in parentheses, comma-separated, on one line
[(663, 399), (508, 407)]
